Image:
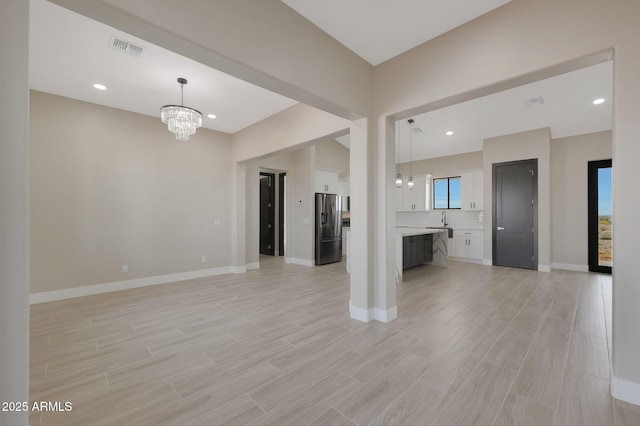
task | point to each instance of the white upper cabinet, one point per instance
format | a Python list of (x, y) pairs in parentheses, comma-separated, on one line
[(472, 190), (412, 200), (326, 182)]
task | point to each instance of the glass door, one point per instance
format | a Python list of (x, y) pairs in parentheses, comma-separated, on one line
[(600, 216)]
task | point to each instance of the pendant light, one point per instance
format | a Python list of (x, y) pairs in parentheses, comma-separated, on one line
[(410, 180), (181, 120), (399, 180)]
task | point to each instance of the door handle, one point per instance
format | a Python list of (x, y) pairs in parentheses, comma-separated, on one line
[(500, 228)]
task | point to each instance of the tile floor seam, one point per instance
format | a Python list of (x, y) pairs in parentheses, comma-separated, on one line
[(515, 378), (566, 360)]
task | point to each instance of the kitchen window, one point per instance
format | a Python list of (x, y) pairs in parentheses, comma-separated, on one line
[(447, 193)]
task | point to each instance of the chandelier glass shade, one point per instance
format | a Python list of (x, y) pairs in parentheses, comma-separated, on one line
[(181, 120)]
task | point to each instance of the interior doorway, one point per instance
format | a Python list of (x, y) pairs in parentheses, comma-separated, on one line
[(600, 216), (281, 212), (515, 219), (267, 213)]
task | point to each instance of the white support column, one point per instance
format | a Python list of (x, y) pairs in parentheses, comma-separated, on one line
[(625, 375), (238, 218), (361, 241), (385, 223), (14, 211)]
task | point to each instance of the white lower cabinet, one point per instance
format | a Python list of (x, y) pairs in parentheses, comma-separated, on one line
[(468, 244)]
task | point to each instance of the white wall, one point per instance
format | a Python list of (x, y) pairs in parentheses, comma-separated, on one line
[(451, 165), (112, 188), (261, 41), (14, 208), (569, 159), (302, 207), (331, 155)]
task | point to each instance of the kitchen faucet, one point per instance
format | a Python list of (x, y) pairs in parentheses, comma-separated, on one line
[(444, 218)]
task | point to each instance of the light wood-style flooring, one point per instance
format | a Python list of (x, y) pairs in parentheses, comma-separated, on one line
[(473, 345)]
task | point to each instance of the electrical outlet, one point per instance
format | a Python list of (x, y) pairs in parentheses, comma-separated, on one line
[(125, 269), (217, 222), (203, 259), (306, 221)]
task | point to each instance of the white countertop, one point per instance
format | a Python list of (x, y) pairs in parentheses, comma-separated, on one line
[(406, 232)]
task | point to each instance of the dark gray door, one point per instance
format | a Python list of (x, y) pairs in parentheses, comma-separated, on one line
[(515, 242), (267, 214)]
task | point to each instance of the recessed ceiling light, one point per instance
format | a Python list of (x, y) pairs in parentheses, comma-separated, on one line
[(211, 116), (449, 133), (100, 86), (598, 101)]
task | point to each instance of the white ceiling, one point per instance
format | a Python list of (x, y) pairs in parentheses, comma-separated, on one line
[(69, 53), (568, 110), (378, 30)]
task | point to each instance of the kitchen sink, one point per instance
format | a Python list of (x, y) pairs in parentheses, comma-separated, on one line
[(443, 227)]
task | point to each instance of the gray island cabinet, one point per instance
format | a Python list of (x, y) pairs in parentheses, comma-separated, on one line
[(419, 246), (417, 250)]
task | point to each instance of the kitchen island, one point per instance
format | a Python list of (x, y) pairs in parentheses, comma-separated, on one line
[(421, 238)]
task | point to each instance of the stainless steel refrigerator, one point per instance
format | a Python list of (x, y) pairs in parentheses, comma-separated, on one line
[(328, 228)]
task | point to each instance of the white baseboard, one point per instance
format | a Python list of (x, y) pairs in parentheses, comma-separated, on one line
[(296, 261), (544, 268), (487, 262), (625, 390), (238, 269), (364, 315), (253, 265), (466, 259), (385, 315), (69, 293), (570, 267)]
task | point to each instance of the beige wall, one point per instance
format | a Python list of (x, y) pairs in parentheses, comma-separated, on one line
[(285, 131), (569, 159), (443, 166), (535, 144), (109, 188), (14, 210), (333, 156)]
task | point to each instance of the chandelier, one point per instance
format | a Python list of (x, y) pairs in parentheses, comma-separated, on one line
[(181, 120)]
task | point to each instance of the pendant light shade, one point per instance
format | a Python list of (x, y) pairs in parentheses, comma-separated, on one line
[(399, 180), (410, 182), (181, 120)]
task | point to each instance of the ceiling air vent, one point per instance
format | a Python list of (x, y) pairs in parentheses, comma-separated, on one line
[(535, 101), (126, 47)]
